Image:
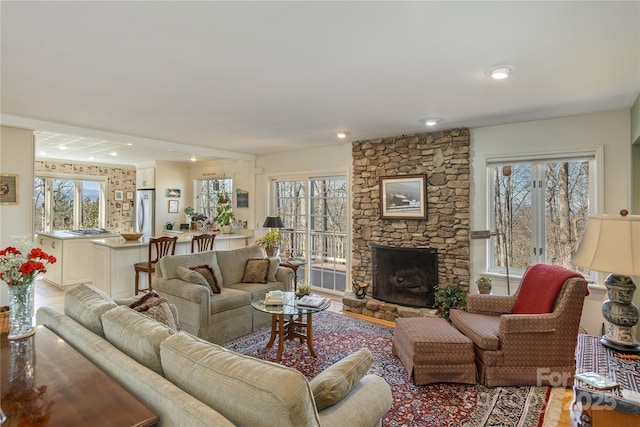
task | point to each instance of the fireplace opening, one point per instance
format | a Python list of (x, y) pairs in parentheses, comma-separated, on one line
[(404, 276)]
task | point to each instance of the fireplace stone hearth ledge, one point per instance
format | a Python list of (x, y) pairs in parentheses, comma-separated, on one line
[(383, 310)]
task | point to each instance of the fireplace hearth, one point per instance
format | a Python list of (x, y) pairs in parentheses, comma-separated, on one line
[(404, 276)]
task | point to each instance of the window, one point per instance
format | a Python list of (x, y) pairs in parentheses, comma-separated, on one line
[(315, 214), (539, 210), (68, 203), (208, 192)]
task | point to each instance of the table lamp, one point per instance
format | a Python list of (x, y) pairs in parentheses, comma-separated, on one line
[(273, 222), (612, 244)]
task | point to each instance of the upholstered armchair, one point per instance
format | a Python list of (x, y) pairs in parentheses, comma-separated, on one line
[(528, 338)]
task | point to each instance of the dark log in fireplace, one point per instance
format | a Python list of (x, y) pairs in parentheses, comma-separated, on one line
[(404, 276)]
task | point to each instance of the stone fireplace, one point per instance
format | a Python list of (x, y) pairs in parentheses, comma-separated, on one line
[(443, 157), (405, 276)]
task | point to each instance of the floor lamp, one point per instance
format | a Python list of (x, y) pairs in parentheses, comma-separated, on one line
[(487, 234), (612, 244)]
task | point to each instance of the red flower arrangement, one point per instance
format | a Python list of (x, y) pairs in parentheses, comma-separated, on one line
[(17, 269)]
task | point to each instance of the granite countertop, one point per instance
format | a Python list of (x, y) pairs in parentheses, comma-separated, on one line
[(119, 242), (66, 235)]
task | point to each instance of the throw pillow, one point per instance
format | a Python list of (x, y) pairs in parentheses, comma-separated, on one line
[(335, 382), (156, 307), (256, 270), (539, 288), (201, 275)]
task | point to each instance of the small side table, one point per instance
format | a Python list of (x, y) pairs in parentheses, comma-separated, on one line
[(293, 264)]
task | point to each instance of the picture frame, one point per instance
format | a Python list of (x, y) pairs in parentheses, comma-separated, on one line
[(129, 195), (118, 195), (173, 192), (8, 189), (403, 197), (173, 206), (125, 206)]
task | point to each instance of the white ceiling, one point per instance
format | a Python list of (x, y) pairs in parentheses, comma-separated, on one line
[(234, 79)]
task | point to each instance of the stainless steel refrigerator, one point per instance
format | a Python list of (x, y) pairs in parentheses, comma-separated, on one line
[(144, 214)]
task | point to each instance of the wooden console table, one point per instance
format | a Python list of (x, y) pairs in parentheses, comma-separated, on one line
[(45, 381)]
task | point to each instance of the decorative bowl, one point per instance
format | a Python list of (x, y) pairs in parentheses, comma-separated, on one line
[(130, 237)]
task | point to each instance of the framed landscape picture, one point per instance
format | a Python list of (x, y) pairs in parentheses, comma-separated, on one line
[(403, 197), (8, 189)]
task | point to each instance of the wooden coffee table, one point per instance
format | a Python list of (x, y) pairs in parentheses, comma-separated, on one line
[(288, 321), (45, 381)]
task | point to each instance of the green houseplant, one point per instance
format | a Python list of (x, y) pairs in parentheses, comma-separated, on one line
[(271, 242), (449, 296), (224, 216)]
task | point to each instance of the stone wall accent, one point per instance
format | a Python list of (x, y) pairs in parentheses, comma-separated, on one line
[(383, 310), (443, 157), (118, 177)]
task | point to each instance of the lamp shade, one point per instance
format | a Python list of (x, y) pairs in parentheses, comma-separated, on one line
[(611, 244), (273, 222)]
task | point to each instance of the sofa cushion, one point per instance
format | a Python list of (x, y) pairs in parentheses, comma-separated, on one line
[(335, 382), (274, 263), (86, 304), (228, 299), (257, 290), (256, 270), (539, 288), (232, 262), (169, 264), (136, 335), (153, 305), (200, 275), (245, 390)]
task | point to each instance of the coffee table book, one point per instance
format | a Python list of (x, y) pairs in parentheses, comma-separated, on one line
[(274, 298), (312, 301)]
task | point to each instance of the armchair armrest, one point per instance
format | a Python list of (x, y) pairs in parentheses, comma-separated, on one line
[(285, 276), (192, 301), (528, 323), (490, 304)]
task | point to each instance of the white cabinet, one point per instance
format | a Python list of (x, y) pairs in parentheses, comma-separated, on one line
[(145, 178), (74, 260)]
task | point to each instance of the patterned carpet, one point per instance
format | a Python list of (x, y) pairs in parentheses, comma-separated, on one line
[(452, 405)]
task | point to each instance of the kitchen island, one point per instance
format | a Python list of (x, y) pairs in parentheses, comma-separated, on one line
[(114, 257), (72, 250)]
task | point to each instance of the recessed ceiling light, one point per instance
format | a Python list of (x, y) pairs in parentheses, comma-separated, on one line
[(342, 134), (431, 122), (62, 147), (129, 144), (193, 158), (113, 153), (500, 72)]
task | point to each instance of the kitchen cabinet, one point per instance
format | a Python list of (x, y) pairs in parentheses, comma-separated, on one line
[(74, 260), (145, 178)]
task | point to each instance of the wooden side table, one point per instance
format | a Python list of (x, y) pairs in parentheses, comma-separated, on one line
[(293, 264)]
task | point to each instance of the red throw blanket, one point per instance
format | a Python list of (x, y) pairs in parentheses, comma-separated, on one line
[(539, 288)]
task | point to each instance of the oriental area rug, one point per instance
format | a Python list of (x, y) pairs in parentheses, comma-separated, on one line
[(337, 335)]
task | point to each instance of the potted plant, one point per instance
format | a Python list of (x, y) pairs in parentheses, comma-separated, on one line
[(271, 242), (188, 211), (224, 216), (449, 296), (484, 285)]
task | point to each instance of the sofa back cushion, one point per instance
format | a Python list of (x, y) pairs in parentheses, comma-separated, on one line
[(136, 335), (168, 265), (86, 304), (245, 390), (232, 262)]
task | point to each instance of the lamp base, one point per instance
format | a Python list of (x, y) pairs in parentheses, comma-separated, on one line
[(621, 348)]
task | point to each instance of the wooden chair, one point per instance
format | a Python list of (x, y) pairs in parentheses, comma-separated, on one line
[(161, 246), (203, 242)]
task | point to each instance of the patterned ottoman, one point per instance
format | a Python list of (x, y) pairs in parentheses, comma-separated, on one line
[(433, 351)]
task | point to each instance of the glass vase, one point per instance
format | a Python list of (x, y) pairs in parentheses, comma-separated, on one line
[(20, 311)]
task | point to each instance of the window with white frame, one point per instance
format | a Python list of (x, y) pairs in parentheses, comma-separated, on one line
[(539, 209), (209, 192), (67, 203)]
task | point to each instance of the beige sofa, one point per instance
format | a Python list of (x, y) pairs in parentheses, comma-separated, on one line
[(187, 381), (219, 317)]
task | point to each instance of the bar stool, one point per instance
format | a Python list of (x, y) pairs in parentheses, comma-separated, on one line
[(163, 246), (203, 242)]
